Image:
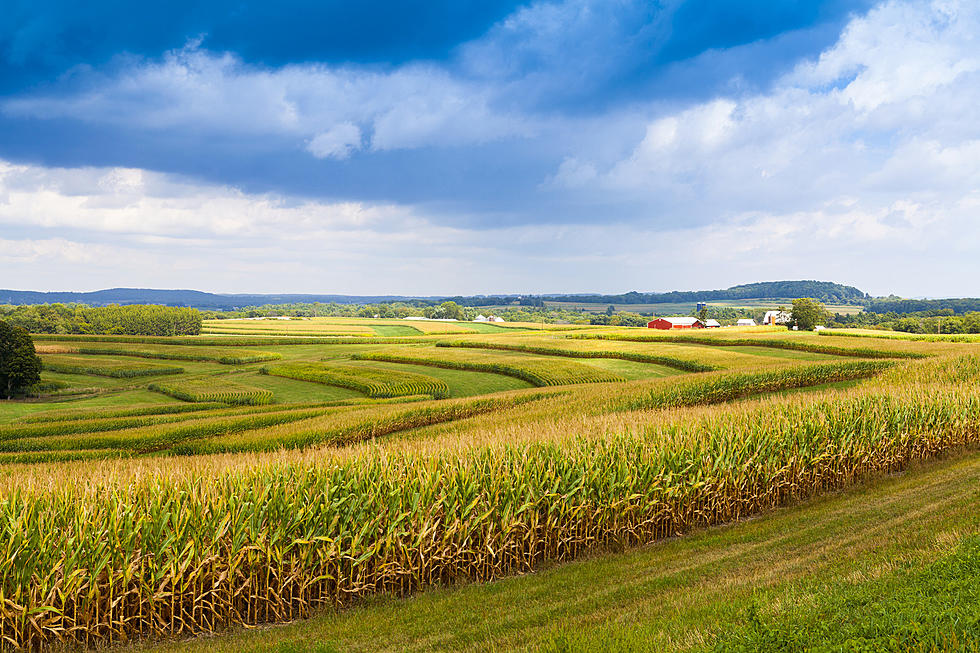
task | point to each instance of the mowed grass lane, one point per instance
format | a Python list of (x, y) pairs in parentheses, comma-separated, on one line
[(676, 595)]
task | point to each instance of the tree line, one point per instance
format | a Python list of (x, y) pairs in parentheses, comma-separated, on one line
[(824, 291), (136, 320), (925, 307)]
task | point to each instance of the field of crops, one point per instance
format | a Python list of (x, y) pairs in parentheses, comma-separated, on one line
[(269, 477), (377, 383), (214, 389)]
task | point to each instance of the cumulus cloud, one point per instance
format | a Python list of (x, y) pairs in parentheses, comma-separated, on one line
[(337, 142), (880, 117), (195, 90), (849, 166)]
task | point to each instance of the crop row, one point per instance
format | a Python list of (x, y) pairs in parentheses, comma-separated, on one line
[(278, 332), (226, 341), (771, 343), (225, 357), (347, 428), (214, 389), (202, 552), (157, 437), (119, 420), (912, 337), (716, 389), (103, 413), (374, 382), (67, 365), (667, 361), (536, 371)]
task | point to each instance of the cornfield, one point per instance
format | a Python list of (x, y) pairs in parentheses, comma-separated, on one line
[(214, 389), (115, 369), (223, 356), (536, 371), (772, 343), (333, 501), (226, 341), (374, 382), (668, 361), (107, 562)]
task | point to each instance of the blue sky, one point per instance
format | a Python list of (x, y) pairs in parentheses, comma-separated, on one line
[(467, 147)]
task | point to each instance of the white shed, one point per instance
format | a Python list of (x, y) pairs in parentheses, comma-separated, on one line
[(745, 321)]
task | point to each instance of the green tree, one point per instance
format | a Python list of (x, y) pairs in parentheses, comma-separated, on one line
[(449, 311), (610, 310), (20, 366), (808, 313)]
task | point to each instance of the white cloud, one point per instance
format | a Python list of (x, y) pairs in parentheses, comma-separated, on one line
[(326, 108), (862, 166), (337, 142)]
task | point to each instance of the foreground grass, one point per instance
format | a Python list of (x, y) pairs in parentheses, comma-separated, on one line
[(793, 570)]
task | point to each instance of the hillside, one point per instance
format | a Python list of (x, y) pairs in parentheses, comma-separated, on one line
[(826, 291)]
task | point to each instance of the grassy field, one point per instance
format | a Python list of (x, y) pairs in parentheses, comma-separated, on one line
[(278, 476)]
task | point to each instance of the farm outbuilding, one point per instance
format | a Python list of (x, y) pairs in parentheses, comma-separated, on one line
[(777, 317), (746, 322), (667, 323), (712, 324)]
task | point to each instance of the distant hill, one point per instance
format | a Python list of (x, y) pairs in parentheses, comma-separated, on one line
[(191, 298), (826, 291)]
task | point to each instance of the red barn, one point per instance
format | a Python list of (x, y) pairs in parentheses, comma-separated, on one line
[(667, 323)]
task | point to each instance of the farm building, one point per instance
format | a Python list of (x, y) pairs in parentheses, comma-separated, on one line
[(480, 318), (746, 322), (776, 317), (666, 323), (712, 324)]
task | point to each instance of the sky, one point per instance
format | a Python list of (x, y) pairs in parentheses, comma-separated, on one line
[(427, 147)]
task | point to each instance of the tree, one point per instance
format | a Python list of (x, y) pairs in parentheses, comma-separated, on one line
[(610, 310), (449, 311), (807, 313), (703, 315), (20, 366)]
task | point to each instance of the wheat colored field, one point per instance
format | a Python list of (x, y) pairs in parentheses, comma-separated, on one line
[(271, 471)]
